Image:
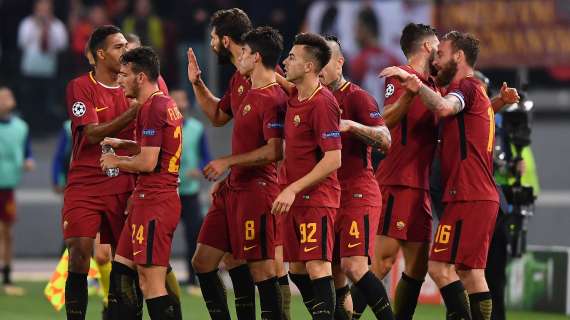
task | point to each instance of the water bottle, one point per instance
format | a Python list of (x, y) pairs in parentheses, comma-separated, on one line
[(111, 172)]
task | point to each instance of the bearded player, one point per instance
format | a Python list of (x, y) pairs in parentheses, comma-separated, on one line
[(362, 128), (146, 240), (459, 251), (245, 197), (227, 28)]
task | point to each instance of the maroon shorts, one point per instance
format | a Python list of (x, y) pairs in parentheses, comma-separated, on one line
[(240, 221), (464, 234), (7, 206), (84, 216), (355, 230), (406, 214), (147, 236), (308, 234)]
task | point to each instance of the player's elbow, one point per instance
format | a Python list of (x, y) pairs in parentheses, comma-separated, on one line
[(334, 159)]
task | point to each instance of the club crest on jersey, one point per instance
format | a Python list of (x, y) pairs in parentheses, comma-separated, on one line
[(400, 225), (78, 109), (148, 132), (240, 89), (296, 120), (246, 109), (330, 134), (389, 90)]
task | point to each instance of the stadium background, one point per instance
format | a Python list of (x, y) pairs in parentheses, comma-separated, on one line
[(529, 40)]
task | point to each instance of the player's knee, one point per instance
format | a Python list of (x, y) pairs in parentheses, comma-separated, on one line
[(383, 266), (353, 270), (439, 272), (416, 270), (201, 264), (79, 260), (262, 271), (473, 279)]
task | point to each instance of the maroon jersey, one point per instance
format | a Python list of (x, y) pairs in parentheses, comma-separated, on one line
[(258, 119), (90, 102), (311, 129), (239, 86), (414, 140), (358, 185), (467, 146), (159, 124)]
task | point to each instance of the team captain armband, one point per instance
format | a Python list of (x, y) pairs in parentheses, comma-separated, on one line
[(459, 95)]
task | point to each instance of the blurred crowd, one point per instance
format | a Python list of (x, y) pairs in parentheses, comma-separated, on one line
[(42, 42)]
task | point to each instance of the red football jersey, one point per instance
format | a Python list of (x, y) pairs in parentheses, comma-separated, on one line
[(467, 146), (258, 119), (159, 124), (238, 87), (311, 129), (90, 102), (358, 185), (414, 140)]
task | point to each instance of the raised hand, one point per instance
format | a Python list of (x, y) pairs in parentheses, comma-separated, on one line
[(509, 95), (194, 71)]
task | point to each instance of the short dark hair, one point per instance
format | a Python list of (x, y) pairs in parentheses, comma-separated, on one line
[(268, 42), (333, 38), (413, 35), (367, 17), (232, 22), (316, 46), (97, 39), (143, 59), (131, 37), (466, 42)]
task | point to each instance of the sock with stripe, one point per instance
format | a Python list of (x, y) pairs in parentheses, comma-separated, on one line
[(270, 299), (163, 308), (481, 305), (214, 295), (285, 297), (340, 312), (323, 289), (407, 293), (303, 283), (359, 302), (376, 296), (76, 296), (456, 301), (244, 290)]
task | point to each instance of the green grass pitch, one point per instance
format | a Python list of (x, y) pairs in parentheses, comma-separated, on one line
[(34, 306)]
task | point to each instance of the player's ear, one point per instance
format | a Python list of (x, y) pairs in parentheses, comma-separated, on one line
[(226, 42), (100, 54)]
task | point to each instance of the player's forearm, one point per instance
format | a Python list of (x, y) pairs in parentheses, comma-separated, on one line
[(376, 137), (258, 157), (327, 165), (134, 164), (208, 103), (394, 113), (497, 103), (438, 104), (284, 83), (95, 133), (131, 147)]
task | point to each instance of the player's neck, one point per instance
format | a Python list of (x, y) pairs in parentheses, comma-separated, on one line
[(146, 92), (105, 76), (261, 76), (235, 51), (337, 84), (462, 73), (307, 87), (420, 64)]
